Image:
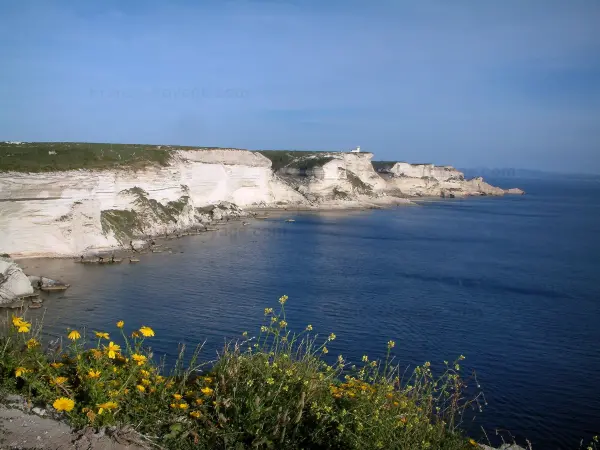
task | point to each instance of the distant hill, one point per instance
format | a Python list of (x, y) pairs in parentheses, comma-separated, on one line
[(487, 172)]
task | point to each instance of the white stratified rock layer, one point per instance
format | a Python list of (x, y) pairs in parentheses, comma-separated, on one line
[(58, 213)]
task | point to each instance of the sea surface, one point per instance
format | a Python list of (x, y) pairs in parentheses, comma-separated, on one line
[(512, 283)]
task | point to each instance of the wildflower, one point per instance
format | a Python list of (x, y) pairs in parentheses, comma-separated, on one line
[(140, 388), (56, 365), (147, 331), (206, 390), (264, 329), (112, 349), (196, 414), (145, 373), (308, 327), (135, 334), (63, 404), (391, 344), (245, 334), (268, 311), (17, 321), (97, 354), (365, 358), (94, 373), (160, 379), (183, 406), (102, 335), (373, 363), (60, 380), (106, 406), (273, 319), (177, 396), (19, 371), (208, 380), (74, 335), (283, 324), (283, 299), (140, 359), (145, 381), (120, 324), (32, 343), (270, 380), (24, 327), (325, 350), (473, 442), (331, 337), (199, 401)]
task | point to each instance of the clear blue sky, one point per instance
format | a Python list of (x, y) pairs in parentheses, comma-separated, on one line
[(511, 83)]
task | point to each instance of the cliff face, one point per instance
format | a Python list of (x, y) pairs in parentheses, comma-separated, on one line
[(73, 212)]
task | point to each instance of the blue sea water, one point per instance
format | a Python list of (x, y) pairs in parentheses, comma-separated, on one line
[(513, 283)]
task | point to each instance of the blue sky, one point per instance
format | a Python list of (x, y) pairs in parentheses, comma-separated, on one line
[(511, 83)]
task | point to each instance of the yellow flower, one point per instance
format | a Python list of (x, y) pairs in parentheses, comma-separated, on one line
[(60, 380), (196, 414), (283, 324), (308, 327), (145, 373), (106, 406), (365, 358), (120, 324), (145, 381), (112, 349), (74, 335), (264, 329), (270, 380), (331, 337), (97, 354), (160, 378), (56, 365), (19, 371), (135, 334), (102, 335), (140, 388), (472, 442), (391, 344), (183, 406), (140, 359), (63, 404), (206, 390), (273, 319), (94, 373), (173, 405), (17, 321), (199, 401), (283, 299), (147, 331), (177, 396), (24, 328), (31, 343), (268, 311), (325, 350)]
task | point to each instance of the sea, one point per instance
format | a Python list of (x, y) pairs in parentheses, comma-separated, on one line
[(511, 283)]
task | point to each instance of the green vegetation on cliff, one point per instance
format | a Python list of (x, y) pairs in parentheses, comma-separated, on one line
[(276, 389), (302, 160)]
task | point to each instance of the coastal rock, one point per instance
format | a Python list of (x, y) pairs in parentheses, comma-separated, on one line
[(13, 282), (514, 191)]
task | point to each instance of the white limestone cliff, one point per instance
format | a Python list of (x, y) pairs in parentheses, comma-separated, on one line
[(81, 211)]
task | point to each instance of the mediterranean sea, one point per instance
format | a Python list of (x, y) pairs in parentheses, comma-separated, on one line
[(512, 283)]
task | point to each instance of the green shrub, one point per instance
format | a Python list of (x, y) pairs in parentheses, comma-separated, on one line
[(275, 390)]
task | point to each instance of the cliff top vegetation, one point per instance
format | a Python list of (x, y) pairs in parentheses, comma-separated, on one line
[(56, 156)]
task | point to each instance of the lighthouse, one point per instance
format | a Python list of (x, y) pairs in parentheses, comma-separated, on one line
[(356, 150)]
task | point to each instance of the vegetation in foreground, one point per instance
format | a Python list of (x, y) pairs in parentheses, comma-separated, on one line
[(271, 391)]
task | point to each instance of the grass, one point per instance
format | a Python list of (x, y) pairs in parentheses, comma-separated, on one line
[(57, 156), (298, 159), (277, 389)]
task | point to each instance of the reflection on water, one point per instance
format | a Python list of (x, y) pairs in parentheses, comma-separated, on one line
[(510, 283)]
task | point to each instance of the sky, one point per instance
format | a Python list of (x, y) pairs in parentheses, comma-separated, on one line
[(511, 83)]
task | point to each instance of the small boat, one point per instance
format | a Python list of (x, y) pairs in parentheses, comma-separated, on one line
[(54, 287), (245, 223), (133, 260), (290, 220)]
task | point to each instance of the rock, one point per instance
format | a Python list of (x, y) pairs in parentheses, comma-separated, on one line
[(514, 191), (13, 282), (39, 411)]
